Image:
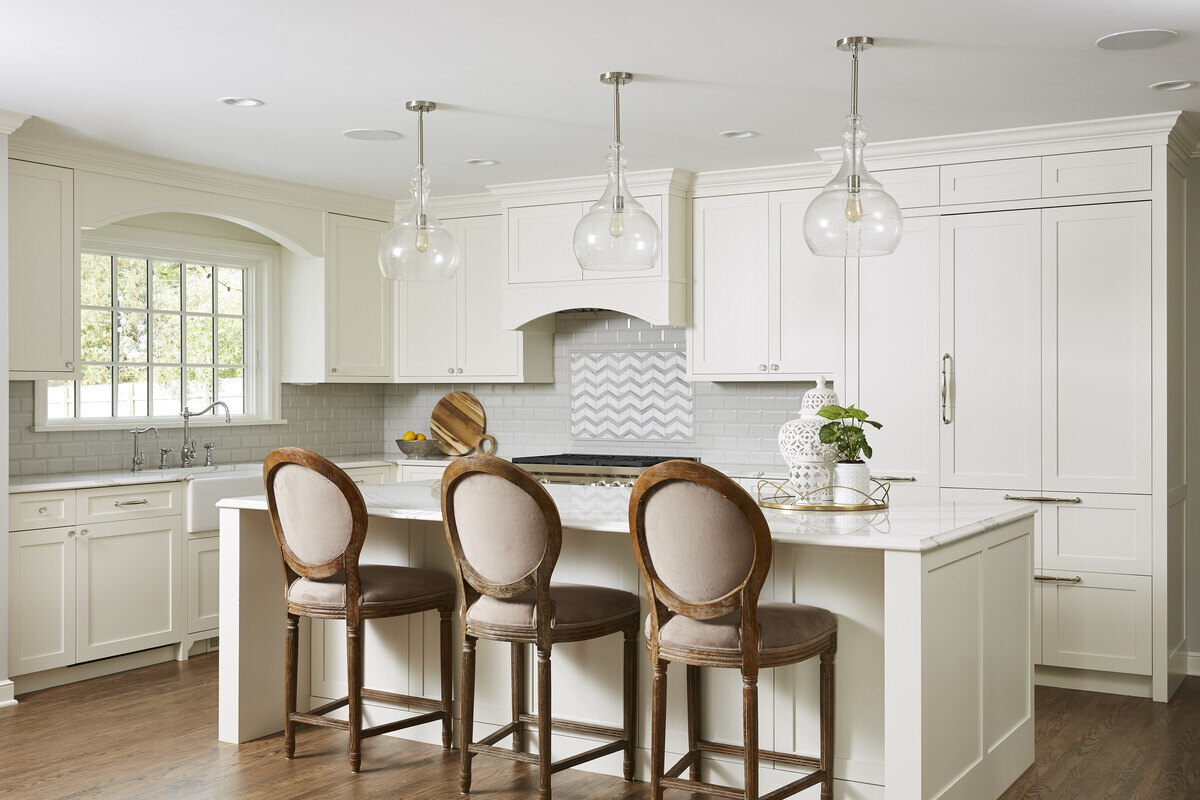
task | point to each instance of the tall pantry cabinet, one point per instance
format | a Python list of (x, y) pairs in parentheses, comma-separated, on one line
[(1025, 344)]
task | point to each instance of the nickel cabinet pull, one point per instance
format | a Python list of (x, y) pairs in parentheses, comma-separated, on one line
[(947, 365), (1037, 498), (121, 503), (1052, 579), (895, 478)]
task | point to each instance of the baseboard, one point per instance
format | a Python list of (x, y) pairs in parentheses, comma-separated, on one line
[(8, 692), (1193, 663), (1093, 681), (36, 681)]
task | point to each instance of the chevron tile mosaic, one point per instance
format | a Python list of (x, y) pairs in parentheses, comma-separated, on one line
[(632, 394)]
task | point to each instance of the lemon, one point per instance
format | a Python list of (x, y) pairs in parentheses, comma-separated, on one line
[(410, 436), (420, 437)]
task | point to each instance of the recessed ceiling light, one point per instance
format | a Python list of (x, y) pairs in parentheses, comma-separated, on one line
[(1142, 39), (371, 135), (481, 162), (241, 102), (1172, 86), (738, 134)]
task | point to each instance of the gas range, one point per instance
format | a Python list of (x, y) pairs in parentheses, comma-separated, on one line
[(589, 469)]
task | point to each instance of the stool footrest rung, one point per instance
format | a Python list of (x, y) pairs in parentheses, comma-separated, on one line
[(323, 722), (700, 787), (588, 755), (400, 724), (421, 703), (496, 736), (577, 727), (682, 764), (331, 706), (500, 752), (738, 751)]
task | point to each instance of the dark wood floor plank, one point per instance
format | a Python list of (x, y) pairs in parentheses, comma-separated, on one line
[(150, 734)]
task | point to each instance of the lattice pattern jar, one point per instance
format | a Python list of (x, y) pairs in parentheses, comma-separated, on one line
[(810, 463)]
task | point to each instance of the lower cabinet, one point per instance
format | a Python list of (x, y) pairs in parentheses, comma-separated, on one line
[(417, 472), (1098, 621), (203, 584), (82, 593), (372, 476)]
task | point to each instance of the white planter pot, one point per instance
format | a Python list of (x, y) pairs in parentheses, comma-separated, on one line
[(853, 482)]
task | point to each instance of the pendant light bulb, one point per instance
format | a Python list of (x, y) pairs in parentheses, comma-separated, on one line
[(853, 216), (418, 247), (616, 234)]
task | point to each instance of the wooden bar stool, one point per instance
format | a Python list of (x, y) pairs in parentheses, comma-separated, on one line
[(505, 534), (320, 523), (703, 549)]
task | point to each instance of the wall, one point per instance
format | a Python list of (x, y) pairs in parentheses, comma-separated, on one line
[(336, 420), (734, 427)]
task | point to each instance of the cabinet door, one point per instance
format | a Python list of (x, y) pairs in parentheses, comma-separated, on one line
[(129, 590), (371, 476), (1095, 621), (1098, 533), (731, 297), (807, 316), (359, 300), (1096, 350), (990, 331), (427, 322), (420, 473), (41, 600), (895, 357), (43, 282), (484, 347), (203, 584), (541, 243)]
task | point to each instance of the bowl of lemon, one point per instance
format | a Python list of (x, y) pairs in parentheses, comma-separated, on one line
[(418, 445)]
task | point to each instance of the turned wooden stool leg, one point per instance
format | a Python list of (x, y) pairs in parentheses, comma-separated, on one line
[(447, 643), (658, 729), (750, 733), (468, 711), (827, 720), (354, 670), (544, 725), (630, 725), (518, 695), (693, 718), (291, 650)]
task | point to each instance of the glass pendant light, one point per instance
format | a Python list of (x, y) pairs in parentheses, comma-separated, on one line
[(853, 216), (418, 247), (616, 233)]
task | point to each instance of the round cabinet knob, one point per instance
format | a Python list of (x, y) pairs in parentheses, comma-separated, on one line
[(42, 510), (83, 532), (333, 369), (451, 370), (70, 365), (762, 367), (71, 534), (775, 368), (460, 370)]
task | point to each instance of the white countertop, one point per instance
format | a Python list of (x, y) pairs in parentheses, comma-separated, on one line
[(906, 525)]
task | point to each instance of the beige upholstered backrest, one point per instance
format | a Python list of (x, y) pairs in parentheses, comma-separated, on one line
[(699, 542), (313, 514), (501, 525)]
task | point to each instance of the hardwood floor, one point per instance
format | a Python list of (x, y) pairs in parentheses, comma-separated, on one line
[(150, 734)]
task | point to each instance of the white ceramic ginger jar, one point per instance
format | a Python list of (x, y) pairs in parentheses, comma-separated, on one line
[(810, 463)]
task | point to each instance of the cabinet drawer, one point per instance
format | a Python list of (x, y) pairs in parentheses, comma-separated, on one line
[(370, 476), (991, 181), (1105, 171), (912, 188), (1101, 533), (128, 502), (420, 473), (1096, 621), (27, 512)]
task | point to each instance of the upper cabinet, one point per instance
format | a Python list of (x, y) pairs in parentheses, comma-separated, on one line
[(451, 330), (43, 282), (337, 310), (541, 274), (764, 307)]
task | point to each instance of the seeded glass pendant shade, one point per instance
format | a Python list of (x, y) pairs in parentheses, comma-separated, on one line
[(853, 216), (616, 234), (418, 247)]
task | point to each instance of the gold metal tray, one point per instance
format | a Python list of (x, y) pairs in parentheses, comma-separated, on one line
[(780, 496)]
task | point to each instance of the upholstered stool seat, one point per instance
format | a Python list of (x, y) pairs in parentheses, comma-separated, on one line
[(783, 629), (382, 585), (575, 606)]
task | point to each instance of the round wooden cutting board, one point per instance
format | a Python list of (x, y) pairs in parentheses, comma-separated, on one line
[(457, 423)]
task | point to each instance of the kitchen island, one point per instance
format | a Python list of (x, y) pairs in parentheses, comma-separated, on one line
[(934, 692)]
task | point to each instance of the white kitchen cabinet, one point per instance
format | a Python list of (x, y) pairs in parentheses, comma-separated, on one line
[(541, 243), (893, 353), (113, 503), (420, 472), (1097, 533), (1096, 621), (43, 283), (41, 599), (203, 584), (31, 510), (372, 476), (991, 181), (1099, 172), (990, 301), (1096, 348), (359, 299), (129, 587)]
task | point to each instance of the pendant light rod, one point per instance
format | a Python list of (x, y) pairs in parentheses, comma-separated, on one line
[(616, 80), (854, 45), (421, 107)]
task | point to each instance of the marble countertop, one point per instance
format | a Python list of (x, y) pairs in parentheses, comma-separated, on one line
[(907, 525), (89, 480)]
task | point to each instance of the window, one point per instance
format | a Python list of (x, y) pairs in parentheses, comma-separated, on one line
[(163, 328)]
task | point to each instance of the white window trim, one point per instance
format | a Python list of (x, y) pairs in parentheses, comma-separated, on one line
[(263, 310)]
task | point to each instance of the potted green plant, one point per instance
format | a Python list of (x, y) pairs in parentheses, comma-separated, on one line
[(846, 431)]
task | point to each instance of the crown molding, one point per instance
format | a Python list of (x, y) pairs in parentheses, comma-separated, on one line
[(156, 169), (481, 204), (671, 181), (780, 177), (1096, 134), (1185, 136), (10, 121)]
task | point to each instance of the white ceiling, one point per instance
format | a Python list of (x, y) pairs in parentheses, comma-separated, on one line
[(518, 80)]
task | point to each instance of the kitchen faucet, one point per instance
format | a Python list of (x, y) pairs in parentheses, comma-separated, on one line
[(187, 453), (139, 457)]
